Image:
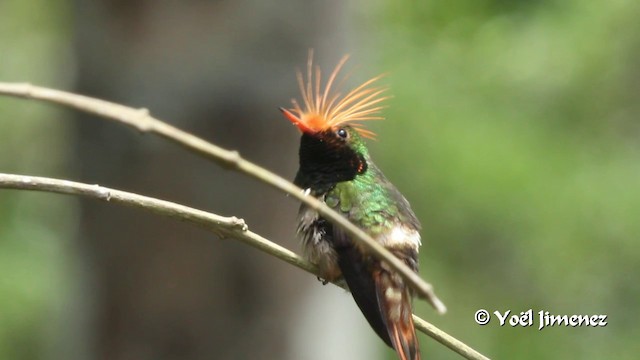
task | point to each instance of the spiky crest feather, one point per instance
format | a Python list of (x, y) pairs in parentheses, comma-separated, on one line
[(325, 110)]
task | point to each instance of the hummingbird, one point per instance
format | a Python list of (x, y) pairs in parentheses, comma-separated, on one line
[(336, 168)]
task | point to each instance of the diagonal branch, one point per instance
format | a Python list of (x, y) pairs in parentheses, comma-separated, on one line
[(141, 120), (220, 225)]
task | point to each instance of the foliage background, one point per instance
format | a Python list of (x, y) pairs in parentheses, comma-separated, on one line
[(513, 131), (524, 117)]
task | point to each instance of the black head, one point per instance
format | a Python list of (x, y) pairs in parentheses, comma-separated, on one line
[(329, 157)]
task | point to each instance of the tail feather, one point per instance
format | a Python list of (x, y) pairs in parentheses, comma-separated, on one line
[(394, 301), (383, 299)]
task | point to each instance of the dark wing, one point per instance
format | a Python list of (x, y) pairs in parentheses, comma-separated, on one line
[(381, 296), (357, 272)]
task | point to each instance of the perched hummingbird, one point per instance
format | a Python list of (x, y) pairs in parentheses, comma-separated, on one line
[(336, 168)]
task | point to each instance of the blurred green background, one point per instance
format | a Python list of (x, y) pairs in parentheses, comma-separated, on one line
[(513, 130)]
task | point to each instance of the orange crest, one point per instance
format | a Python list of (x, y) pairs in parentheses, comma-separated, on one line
[(326, 110)]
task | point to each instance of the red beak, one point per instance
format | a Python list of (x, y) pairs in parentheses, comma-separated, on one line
[(296, 121)]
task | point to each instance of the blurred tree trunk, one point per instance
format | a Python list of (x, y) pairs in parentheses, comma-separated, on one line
[(160, 289)]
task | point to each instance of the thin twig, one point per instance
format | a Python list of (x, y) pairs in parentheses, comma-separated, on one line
[(230, 226), (140, 119), (447, 340), (220, 225)]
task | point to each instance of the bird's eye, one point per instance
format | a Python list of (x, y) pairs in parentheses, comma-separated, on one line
[(342, 133)]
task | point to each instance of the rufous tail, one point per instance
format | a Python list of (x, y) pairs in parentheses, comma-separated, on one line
[(394, 300)]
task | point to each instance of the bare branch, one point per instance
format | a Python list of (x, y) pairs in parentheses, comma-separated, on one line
[(447, 340), (220, 225), (141, 120)]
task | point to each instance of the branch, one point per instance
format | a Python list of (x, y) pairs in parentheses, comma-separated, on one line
[(447, 340), (141, 120), (220, 225)]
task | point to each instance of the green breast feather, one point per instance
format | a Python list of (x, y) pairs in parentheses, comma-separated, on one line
[(371, 202)]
